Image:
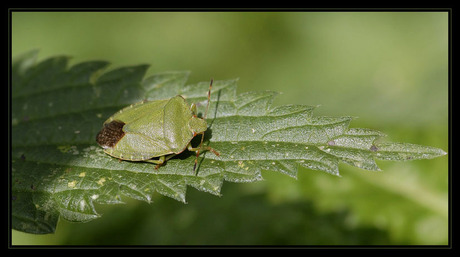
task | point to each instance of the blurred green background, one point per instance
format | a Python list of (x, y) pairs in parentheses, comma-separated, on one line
[(390, 69)]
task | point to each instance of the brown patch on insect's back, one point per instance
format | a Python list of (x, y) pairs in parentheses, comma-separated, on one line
[(110, 134)]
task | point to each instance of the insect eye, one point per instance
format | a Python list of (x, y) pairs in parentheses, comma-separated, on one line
[(193, 109)]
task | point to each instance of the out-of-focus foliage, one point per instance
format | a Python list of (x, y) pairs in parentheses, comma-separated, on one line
[(389, 69)]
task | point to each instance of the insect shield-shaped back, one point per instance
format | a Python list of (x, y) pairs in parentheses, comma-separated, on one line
[(110, 134), (154, 129)]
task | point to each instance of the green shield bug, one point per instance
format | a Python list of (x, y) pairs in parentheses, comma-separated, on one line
[(154, 129)]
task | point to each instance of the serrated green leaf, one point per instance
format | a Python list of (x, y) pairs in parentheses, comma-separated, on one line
[(59, 171), (406, 152)]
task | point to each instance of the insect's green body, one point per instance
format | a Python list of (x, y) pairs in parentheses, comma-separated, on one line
[(149, 129)]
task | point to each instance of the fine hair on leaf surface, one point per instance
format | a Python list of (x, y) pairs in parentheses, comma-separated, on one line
[(58, 170)]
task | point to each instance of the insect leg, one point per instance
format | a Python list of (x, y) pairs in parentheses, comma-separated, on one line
[(205, 148), (161, 160), (198, 149)]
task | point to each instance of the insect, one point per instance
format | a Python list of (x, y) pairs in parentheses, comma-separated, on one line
[(150, 129)]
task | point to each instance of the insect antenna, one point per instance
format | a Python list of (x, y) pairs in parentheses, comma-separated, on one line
[(204, 117), (209, 99)]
